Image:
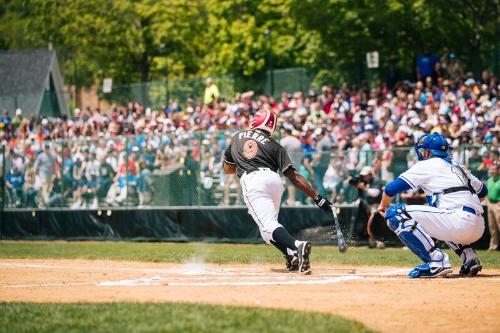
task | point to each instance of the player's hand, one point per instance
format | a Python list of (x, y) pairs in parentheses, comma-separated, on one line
[(323, 203), (381, 209)]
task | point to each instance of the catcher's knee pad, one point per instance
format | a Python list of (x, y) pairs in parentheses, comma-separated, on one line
[(396, 216)]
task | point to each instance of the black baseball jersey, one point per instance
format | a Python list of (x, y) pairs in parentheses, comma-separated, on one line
[(253, 149)]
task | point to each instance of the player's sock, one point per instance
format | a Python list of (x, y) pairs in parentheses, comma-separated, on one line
[(465, 252), (457, 248), (279, 247), (283, 241)]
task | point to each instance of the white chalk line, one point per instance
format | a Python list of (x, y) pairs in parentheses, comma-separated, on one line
[(189, 277), (335, 280), (67, 284), (216, 277), (193, 271), (158, 281), (179, 270), (169, 283)]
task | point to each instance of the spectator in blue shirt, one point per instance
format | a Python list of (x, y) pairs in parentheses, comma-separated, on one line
[(5, 119), (425, 65), (15, 182)]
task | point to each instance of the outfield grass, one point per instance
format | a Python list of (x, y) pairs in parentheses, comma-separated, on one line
[(213, 253), (165, 317)]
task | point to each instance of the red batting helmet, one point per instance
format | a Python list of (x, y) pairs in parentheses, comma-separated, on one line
[(264, 119)]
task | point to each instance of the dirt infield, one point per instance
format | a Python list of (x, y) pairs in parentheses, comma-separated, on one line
[(381, 297)]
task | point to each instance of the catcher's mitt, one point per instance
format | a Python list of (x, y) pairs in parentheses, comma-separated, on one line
[(378, 229)]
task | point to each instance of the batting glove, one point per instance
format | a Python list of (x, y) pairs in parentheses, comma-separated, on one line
[(323, 203)]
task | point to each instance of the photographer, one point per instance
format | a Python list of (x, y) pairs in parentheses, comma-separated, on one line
[(369, 194)]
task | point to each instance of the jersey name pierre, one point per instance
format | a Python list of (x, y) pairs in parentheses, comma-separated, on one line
[(254, 136)]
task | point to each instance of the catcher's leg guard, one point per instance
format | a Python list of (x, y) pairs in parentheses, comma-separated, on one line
[(470, 262), (410, 233), (416, 239)]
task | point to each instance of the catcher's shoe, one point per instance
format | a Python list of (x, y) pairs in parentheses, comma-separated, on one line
[(470, 262), (292, 263), (303, 251), (426, 271), (471, 268)]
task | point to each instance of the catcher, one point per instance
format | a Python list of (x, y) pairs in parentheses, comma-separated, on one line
[(454, 214)]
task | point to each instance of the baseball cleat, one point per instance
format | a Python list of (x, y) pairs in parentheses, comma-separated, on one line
[(303, 252), (425, 271), (471, 268), (292, 263)]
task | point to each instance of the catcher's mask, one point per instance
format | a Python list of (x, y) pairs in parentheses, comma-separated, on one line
[(264, 119)]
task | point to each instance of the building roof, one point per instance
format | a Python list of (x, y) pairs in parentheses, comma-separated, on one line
[(26, 76), (24, 72)]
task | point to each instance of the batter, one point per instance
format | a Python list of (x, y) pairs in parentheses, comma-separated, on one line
[(454, 214), (256, 158)]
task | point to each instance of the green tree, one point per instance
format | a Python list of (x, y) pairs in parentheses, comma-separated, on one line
[(118, 38), (142, 40)]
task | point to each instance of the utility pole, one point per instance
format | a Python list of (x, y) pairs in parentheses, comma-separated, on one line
[(75, 79), (268, 34), (167, 92)]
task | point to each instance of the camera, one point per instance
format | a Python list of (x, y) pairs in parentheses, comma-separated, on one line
[(355, 180)]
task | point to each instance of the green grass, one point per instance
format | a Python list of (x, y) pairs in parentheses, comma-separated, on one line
[(165, 317), (213, 253)]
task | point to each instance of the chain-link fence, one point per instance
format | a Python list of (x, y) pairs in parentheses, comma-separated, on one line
[(287, 80), (157, 94), (186, 170)]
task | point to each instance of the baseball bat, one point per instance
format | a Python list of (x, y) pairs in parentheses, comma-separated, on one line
[(340, 237)]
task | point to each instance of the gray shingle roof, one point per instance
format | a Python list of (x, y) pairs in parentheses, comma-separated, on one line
[(24, 80), (24, 72)]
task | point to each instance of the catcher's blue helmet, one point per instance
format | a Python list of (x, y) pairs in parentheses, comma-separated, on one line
[(435, 143)]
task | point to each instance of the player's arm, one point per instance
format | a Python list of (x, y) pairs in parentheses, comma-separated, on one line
[(229, 164), (398, 185), (302, 184), (478, 186), (412, 178), (285, 165)]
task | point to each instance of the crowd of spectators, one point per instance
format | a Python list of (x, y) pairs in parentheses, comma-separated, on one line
[(96, 157)]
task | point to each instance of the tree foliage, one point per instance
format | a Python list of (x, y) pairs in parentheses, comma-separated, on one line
[(140, 40)]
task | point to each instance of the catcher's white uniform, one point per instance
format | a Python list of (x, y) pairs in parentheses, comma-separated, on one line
[(455, 213)]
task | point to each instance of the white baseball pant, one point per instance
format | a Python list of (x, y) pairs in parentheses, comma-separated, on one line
[(262, 191), (455, 225)]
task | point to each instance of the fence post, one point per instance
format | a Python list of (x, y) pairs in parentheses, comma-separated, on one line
[(63, 199), (3, 192), (168, 91), (126, 172)]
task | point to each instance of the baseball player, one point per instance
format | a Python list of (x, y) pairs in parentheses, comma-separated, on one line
[(454, 214), (256, 158)]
